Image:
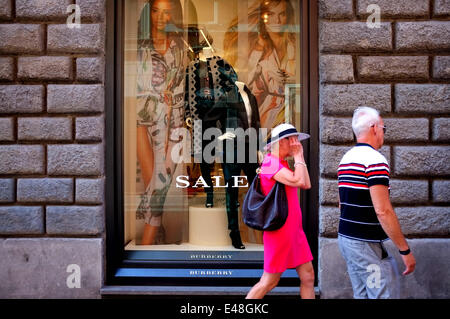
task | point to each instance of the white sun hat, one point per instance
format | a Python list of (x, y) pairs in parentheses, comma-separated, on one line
[(284, 130)]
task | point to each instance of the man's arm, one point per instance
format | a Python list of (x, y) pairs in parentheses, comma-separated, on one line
[(389, 221)]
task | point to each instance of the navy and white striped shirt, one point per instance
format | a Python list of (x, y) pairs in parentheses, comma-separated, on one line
[(361, 167)]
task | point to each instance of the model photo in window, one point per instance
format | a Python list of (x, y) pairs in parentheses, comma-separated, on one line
[(271, 55), (160, 106)]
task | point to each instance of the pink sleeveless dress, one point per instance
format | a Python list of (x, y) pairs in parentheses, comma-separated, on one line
[(286, 247)]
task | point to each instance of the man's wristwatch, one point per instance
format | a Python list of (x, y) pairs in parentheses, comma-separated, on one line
[(405, 252)]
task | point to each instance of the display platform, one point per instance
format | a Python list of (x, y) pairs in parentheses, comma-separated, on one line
[(190, 247)]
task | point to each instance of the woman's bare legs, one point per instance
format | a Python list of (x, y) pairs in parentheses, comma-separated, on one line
[(149, 234), (306, 274), (144, 154), (146, 161), (267, 282)]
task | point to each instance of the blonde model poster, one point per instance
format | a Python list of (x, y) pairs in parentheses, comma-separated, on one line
[(271, 54)]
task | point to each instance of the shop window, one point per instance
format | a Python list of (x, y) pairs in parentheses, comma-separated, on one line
[(203, 82)]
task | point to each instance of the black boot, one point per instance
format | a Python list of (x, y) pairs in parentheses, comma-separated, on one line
[(236, 241)]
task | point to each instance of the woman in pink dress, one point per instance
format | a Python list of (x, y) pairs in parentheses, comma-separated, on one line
[(286, 247)]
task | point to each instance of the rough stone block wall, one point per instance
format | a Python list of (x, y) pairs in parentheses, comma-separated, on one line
[(51, 147), (402, 69), (52, 109)]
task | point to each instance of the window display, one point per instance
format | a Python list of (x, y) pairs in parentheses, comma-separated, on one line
[(204, 82)]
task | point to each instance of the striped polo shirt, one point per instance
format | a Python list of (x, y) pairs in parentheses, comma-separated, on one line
[(361, 167)]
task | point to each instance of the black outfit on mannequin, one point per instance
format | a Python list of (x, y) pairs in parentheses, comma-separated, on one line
[(206, 83), (234, 164)]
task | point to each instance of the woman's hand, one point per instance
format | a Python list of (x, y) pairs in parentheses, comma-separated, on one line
[(295, 147), (300, 176), (279, 76)]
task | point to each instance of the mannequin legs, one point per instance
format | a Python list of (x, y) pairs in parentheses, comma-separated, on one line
[(206, 174), (230, 170)]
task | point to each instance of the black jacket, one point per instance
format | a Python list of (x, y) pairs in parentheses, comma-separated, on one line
[(231, 114)]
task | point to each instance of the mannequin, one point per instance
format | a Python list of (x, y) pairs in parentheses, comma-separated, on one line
[(248, 108), (208, 79), (207, 53), (242, 112)]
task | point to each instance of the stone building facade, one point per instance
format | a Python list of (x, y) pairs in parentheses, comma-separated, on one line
[(402, 69), (52, 109), (52, 137)]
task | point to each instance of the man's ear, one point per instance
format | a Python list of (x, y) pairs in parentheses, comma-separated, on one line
[(374, 128)]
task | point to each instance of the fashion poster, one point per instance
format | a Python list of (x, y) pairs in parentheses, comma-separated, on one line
[(268, 50)]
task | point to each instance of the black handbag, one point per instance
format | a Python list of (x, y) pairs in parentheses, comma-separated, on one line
[(263, 212)]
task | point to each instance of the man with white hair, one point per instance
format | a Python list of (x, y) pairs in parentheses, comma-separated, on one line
[(367, 217)]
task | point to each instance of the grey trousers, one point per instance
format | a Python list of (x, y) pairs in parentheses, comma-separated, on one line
[(373, 273)]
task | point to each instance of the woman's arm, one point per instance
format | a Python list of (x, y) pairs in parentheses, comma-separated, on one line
[(300, 176)]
